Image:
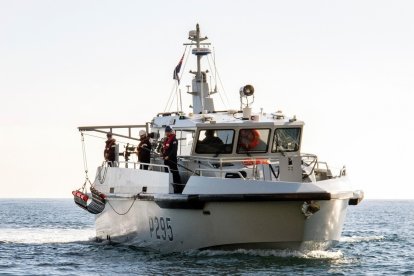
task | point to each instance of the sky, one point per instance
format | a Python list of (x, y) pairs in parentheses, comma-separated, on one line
[(346, 68)]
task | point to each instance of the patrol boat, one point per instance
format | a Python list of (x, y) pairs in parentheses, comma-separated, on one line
[(245, 182)]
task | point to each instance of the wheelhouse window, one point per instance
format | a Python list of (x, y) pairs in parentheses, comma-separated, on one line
[(215, 141), (286, 140), (252, 140), (185, 140)]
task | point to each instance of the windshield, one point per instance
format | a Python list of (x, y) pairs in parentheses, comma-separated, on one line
[(215, 141), (253, 140), (286, 140)]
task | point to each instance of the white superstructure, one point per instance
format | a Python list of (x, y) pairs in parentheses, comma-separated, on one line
[(246, 183)]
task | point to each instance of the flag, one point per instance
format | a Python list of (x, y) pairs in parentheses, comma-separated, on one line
[(177, 69)]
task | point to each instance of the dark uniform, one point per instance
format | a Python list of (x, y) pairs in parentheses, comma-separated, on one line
[(169, 153), (144, 151), (212, 140), (109, 152)]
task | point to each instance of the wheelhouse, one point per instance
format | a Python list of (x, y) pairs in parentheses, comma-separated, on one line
[(246, 139)]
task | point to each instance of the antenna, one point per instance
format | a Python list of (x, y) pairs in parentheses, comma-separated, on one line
[(200, 88)]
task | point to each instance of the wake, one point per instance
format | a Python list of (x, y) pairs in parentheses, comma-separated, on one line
[(313, 254), (39, 236)]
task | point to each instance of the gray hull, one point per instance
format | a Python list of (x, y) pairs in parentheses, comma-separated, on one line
[(222, 225)]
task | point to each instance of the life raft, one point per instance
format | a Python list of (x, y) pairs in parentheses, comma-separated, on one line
[(94, 205)]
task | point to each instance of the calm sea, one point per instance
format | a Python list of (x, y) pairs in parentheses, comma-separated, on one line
[(55, 237)]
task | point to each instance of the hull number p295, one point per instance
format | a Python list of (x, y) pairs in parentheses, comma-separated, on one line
[(161, 228)]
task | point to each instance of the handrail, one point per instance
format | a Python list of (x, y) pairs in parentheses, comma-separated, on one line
[(116, 164), (221, 160), (231, 158), (220, 171), (142, 163), (254, 164), (256, 168)]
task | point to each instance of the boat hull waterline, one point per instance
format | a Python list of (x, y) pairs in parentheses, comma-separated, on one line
[(222, 225)]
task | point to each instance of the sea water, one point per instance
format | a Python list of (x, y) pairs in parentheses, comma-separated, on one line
[(55, 237)]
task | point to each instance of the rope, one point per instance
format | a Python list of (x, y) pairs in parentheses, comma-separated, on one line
[(100, 178), (185, 61), (169, 98), (85, 165), (217, 76), (127, 211), (215, 80), (304, 176), (82, 189), (85, 161), (174, 90), (173, 94)]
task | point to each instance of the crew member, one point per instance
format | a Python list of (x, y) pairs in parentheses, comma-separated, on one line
[(210, 139), (109, 152), (249, 139), (169, 154), (144, 149)]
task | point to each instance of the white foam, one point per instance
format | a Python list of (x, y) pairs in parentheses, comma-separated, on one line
[(38, 235), (315, 254), (361, 239)]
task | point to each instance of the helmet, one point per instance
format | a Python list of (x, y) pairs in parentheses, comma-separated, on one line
[(142, 132), (168, 129)]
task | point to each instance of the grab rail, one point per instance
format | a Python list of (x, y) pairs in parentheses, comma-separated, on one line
[(255, 166), (219, 171), (114, 164), (138, 164)]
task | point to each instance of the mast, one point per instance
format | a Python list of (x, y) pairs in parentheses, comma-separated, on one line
[(200, 90)]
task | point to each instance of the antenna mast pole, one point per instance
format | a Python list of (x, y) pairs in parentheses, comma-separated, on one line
[(201, 98), (199, 76)]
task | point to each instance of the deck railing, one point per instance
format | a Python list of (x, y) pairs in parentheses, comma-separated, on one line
[(102, 170), (254, 167)]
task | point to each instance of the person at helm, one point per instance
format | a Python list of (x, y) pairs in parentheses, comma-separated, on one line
[(210, 139)]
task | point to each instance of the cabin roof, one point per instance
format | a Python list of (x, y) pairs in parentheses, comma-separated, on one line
[(220, 120)]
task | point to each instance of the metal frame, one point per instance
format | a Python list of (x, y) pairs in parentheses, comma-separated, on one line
[(104, 129)]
